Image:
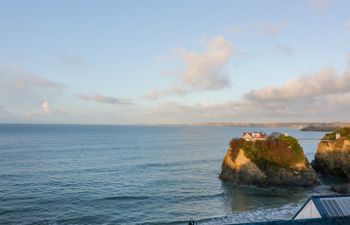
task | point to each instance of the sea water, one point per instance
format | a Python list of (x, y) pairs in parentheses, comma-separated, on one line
[(89, 174)]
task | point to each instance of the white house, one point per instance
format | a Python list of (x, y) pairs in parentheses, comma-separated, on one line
[(337, 135), (254, 136)]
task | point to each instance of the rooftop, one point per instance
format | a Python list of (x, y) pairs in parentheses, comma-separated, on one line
[(331, 205), (333, 209), (320, 221)]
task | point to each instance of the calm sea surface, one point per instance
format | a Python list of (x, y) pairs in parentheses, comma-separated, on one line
[(71, 174)]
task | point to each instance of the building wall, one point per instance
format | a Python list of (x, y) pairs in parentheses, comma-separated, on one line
[(309, 211)]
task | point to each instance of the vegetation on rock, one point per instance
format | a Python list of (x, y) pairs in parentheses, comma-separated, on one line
[(272, 153), (333, 155), (344, 134), (276, 161)]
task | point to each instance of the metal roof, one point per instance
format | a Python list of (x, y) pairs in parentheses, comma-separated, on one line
[(330, 205), (320, 221), (333, 206), (334, 209)]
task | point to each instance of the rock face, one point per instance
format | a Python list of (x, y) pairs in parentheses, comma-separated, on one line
[(241, 170), (341, 188), (333, 155), (273, 162)]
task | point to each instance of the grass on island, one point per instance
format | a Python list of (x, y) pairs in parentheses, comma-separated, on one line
[(273, 153), (344, 134)]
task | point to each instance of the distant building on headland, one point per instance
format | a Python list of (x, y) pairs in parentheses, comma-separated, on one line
[(277, 135), (337, 135), (254, 136), (260, 136)]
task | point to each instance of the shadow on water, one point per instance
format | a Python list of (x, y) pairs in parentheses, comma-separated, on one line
[(327, 180), (251, 204), (244, 198)]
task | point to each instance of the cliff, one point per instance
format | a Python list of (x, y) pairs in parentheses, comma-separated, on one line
[(333, 154), (273, 162)]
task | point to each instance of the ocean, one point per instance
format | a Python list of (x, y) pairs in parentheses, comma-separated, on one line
[(96, 174)]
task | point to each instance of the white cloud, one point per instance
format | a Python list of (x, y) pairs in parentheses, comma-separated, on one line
[(106, 99), (326, 108), (320, 5), (324, 82), (173, 90), (239, 110), (272, 28), (37, 82), (204, 71), (45, 108), (22, 94), (320, 96), (11, 80)]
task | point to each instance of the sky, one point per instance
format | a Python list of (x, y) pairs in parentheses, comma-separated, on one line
[(174, 62)]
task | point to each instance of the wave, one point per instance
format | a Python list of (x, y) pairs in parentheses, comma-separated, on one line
[(176, 163), (161, 198), (258, 215), (207, 196), (175, 222), (123, 198)]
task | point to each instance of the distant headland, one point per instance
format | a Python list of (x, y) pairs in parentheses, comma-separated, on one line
[(303, 126)]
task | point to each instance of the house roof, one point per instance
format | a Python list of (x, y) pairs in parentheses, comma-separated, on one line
[(319, 221), (255, 134), (330, 205)]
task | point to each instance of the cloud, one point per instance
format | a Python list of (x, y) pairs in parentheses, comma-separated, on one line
[(331, 107), (45, 108), (11, 80), (173, 90), (74, 60), (235, 29), (233, 111), (320, 5), (37, 82), (21, 91), (22, 94), (349, 58), (106, 99), (204, 71), (319, 96), (347, 24), (283, 50), (272, 28), (4, 113), (324, 82)]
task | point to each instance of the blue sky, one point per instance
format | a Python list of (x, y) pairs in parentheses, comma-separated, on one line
[(149, 62)]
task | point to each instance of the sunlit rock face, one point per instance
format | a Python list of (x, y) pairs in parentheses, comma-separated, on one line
[(333, 154), (272, 162), (241, 170)]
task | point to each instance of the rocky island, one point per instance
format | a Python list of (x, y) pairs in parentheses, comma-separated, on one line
[(260, 160), (333, 154)]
